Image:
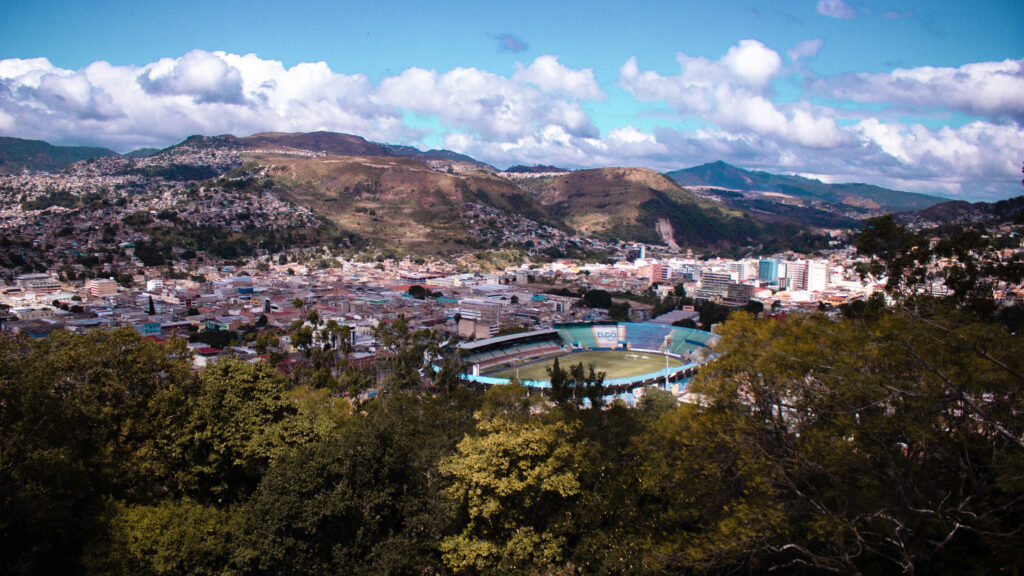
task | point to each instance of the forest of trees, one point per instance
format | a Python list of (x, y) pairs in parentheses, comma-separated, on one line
[(886, 443), (885, 440)]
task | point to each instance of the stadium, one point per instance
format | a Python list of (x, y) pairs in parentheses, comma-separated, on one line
[(632, 355)]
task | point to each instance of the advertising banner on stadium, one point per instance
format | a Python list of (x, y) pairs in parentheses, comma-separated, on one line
[(606, 336)]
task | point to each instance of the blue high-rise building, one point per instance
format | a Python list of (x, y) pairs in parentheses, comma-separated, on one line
[(768, 271)]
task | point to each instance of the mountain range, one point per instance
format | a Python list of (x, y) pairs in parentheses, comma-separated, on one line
[(440, 200), (17, 154)]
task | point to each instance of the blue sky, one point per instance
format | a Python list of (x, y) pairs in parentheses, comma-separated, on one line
[(922, 96)]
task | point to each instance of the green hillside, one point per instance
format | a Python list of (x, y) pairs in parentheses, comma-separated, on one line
[(17, 154), (722, 175)]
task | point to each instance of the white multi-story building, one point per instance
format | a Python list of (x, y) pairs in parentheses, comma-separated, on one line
[(817, 275)]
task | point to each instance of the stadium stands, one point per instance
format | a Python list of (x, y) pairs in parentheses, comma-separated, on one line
[(646, 336), (527, 347), (581, 335)]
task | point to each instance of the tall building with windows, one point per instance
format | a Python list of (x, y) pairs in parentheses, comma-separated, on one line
[(797, 274), (817, 275), (768, 271), (715, 285)]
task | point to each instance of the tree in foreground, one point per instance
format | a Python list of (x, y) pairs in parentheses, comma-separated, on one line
[(886, 445), (513, 484)]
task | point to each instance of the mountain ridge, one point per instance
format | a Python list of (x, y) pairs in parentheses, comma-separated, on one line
[(17, 154), (439, 201), (857, 195)]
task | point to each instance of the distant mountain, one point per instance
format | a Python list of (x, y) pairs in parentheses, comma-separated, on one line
[(962, 213), (142, 153), (440, 201), (330, 143), (411, 152), (865, 196), (17, 154), (536, 169), (642, 205)]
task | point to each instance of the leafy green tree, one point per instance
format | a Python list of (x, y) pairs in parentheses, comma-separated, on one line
[(561, 388), (570, 387), (407, 351), (619, 311), (82, 417), (171, 537), (754, 307), (302, 338), (597, 299), (514, 483), (364, 500), (883, 444), (240, 423), (667, 304)]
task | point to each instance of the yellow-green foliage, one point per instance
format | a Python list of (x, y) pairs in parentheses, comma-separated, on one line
[(513, 479)]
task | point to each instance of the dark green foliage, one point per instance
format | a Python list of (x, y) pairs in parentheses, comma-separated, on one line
[(361, 502), (81, 418), (724, 175), (215, 338), (61, 198), (17, 153), (571, 387), (619, 311), (886, 443), (240, 423), (177, 172), (597, 299)]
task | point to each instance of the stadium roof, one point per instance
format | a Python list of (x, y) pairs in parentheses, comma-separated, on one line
[(509, 338)]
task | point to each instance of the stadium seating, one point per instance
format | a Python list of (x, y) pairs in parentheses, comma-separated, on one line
[(583, 334), (646, 336), (683, 342)]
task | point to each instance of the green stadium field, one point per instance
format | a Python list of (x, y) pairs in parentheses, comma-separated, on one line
[(614, 363)]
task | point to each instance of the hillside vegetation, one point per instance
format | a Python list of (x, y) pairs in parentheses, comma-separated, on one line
[(17, 154), (887, 443), (722, 175)]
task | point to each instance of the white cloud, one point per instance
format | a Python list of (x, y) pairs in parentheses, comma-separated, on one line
[(805, 49), (202, 75), (538, 113), (734, 93), (836, 9), (976, 150), (550, 76), (993, 89), (752, 62), (496, 107), (198, 93)]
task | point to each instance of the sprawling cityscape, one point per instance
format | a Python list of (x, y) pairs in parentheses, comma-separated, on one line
[(561, 289)]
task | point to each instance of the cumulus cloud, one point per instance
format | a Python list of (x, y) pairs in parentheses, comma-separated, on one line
[(752, 62), (836, 9), (549, 75), (538, 113), (200, 92), (734, 93), (993, 89), (496, 107), (217, 92), (204, 76)]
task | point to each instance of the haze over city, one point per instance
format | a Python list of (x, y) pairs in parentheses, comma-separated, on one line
[(918, 96)]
